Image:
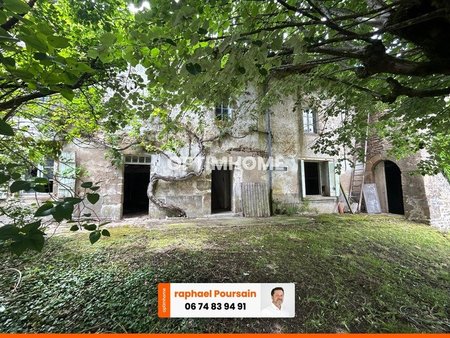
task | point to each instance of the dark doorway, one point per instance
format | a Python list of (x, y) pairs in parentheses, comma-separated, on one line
[(135, 199), (221, 189), (394, 188), (312, 178)]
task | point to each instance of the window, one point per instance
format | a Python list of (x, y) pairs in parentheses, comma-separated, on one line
[(135, 159), (223, 112), (44, 170), (318, 178), (309, 121)]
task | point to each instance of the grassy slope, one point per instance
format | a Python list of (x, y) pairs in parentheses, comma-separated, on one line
[(352, 273)]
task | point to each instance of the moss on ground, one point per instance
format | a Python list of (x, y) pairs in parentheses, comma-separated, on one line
[(353, 273)]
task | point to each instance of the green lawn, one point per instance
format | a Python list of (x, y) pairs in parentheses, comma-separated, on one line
[(352, 274)]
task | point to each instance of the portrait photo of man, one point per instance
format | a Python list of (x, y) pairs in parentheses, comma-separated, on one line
[(276, 308)]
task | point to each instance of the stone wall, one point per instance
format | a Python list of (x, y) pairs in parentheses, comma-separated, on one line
[(437, 189), (292, 144), (99, 169)]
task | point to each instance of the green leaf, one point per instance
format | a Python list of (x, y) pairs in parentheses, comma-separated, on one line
[(41, 180), (94, 236), (95, 188), (5, 129), (44, 210), (34, 241), (93, 198), (37, 241), (3, 17), (31, 227), (58, 41), (8, 62), (63, 211), (74, 228), (86, 184), (170, 42), (19, 185), (193, 68), (34, 42), (67, 93), (29, 237), (73, 200), (105, 233), (90, 227), (84, 68), (19, 247), (4, 178), (8, 231), (39, 188), (15, 176), (87, 215), (41, 56), (154, 52), (108, 39), (16, 6)]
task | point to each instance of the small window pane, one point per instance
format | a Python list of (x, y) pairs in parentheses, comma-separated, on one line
[(223, 112), (309, 121)]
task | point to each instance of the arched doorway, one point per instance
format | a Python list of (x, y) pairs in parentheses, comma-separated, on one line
[(388, 179), (394, 189)]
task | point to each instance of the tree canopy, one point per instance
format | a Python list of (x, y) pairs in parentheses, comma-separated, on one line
[(387, 58)]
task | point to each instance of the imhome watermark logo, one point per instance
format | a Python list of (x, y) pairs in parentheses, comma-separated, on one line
[(228, 162)]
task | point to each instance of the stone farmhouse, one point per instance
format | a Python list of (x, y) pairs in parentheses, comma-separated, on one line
[(234, 171)]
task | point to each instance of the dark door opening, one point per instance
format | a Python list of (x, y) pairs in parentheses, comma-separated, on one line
[(221, 189), (136, 179), (394, 188), (312, 178)]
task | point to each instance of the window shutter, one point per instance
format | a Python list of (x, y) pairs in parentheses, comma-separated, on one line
[(302, 179), (334, 179), (314, 121), (3, 192), (66, 174)]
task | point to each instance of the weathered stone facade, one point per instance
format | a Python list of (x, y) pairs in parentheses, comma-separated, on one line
[(297, 175), (425, 198), (247, 146)]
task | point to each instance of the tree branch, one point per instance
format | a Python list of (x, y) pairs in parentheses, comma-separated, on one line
[(302, 68), (397, 89), (155, 178), (14, 103)]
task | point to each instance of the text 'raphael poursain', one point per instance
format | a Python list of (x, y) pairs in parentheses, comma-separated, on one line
[(215, 293)]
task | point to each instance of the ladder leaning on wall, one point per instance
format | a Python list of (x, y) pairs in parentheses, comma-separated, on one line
[(359, 172)]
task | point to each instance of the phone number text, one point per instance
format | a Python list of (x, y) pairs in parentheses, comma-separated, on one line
[(215, 306)]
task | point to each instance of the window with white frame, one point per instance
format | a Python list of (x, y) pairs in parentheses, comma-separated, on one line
[(309, 121), (318, 178), (223, 112), (138, 159), (44, 170)]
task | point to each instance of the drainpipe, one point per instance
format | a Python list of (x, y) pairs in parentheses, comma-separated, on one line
[(269, 146)]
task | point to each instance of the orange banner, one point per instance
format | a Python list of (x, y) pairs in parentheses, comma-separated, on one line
[(164, 300)]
